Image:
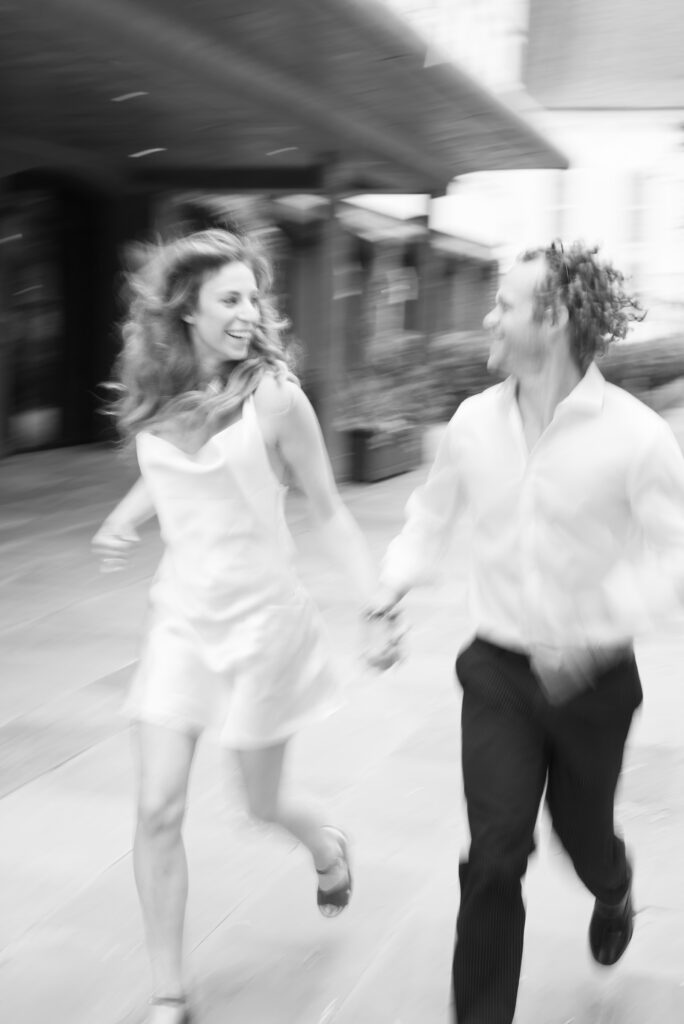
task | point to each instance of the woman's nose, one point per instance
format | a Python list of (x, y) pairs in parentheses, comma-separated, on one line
[(248, 311)]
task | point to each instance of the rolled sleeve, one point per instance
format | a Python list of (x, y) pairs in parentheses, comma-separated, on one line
[(654, 585), (413, 556)]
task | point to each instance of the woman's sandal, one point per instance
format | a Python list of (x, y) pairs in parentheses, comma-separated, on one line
[(179, 1002), (332, 902)]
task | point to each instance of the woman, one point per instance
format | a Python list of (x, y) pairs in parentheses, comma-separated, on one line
[(233, 640)]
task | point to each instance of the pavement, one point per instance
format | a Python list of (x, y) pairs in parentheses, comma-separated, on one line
[(386, 766)]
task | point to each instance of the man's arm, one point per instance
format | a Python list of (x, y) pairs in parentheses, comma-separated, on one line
[(414, 556), (645, 592)]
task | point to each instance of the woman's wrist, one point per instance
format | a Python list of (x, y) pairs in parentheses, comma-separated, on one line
[(383, 603), (119, 527), (371, 614)]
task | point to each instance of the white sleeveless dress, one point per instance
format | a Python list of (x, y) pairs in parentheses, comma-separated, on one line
[(234, 642)]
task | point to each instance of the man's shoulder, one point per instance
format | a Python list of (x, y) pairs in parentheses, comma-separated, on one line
[(622, 403), (483, 404), (641, 429)]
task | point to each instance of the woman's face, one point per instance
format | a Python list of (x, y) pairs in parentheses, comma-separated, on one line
[(227, 312)]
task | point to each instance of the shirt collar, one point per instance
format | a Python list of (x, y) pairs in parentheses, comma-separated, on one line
[(587, 395), (589, 392)]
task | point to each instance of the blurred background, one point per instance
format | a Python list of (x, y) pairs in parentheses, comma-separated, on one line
[(394, 155)]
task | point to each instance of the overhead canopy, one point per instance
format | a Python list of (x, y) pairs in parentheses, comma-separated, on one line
[(311, 93)]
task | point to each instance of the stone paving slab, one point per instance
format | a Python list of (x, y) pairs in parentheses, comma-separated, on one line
[(42, 740)]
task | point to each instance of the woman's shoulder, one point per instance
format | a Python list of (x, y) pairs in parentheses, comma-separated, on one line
[(276, 395)]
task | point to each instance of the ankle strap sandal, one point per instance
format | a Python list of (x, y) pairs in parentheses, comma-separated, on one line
[(177, 1002), (332, 902)]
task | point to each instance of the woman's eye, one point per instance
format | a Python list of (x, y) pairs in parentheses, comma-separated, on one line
[(235, 300)]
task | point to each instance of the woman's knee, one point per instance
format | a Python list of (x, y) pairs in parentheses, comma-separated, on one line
[(161, 813), (261, 772), (164, 760)]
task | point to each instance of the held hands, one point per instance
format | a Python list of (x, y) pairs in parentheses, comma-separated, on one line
[(114, 544), (383, 632), (382, 641)]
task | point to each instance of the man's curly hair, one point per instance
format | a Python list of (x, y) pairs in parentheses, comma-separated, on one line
[(600, 310)]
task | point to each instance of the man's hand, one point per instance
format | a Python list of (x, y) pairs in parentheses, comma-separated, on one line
[(383, 602), (565, 672), (114, 544)]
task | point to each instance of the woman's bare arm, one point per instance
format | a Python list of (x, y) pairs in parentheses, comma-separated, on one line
[(118, 535), (294, 429)]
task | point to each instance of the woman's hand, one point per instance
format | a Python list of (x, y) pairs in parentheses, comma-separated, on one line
[(118, 537), (114, 544)]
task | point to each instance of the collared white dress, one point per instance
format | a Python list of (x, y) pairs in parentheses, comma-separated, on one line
[(234, 642)]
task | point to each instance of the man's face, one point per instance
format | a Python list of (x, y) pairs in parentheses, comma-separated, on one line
[(519, 343)]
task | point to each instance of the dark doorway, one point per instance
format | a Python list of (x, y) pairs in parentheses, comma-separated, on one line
[(50, 301)]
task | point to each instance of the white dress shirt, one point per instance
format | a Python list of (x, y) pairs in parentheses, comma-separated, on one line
[(579, 541)]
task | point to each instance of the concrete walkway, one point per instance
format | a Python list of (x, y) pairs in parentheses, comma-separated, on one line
[(386, 766)]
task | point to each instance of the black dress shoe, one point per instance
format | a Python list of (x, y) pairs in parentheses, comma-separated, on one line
[(611, 928)]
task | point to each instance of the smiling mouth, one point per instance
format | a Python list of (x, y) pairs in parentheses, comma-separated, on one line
[(239, 337)]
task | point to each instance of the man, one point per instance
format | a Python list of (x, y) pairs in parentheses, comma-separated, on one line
[(575, 492)]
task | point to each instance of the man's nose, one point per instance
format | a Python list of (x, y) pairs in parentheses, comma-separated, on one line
[(489, 320)]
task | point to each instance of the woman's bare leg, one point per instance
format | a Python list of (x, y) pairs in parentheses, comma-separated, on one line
[(164, 759), (261, 772)]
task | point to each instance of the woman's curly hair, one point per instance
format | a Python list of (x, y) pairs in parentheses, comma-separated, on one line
[(159, 380), (600, 310)]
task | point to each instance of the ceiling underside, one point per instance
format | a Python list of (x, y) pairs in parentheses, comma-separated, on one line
[(331, 94)]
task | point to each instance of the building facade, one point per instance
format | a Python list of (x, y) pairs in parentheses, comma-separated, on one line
[(602, 79), (114, 111)]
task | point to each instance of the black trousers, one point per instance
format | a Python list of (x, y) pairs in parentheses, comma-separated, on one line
[(514, 743)]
